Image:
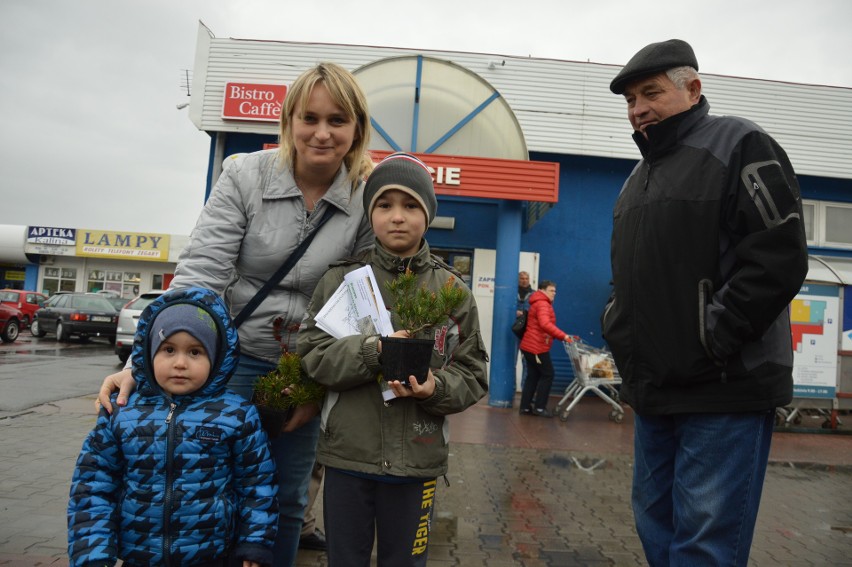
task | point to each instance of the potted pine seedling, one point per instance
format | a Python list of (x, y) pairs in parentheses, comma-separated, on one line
[(416, 309), (274, 406)]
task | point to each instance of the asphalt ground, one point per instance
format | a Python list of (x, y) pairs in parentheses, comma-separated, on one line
[(523, 491)]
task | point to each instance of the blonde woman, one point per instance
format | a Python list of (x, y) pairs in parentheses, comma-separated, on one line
[(264, 204)]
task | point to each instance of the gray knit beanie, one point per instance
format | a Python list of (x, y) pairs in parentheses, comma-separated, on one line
[(184, 317), (403, 172)]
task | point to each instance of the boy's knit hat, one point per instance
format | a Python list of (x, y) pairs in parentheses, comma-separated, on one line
[(184, 317), (403, 172), (652, 59)]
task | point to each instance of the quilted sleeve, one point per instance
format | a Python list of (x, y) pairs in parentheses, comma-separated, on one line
[(257, 490), (92, 506)]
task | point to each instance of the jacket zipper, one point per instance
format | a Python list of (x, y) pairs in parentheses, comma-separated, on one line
[(634, 303), (167, 501)]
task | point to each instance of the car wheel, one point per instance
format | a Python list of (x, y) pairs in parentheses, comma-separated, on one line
[(36, 329), (11, 333), (61, 333), (123, 356)]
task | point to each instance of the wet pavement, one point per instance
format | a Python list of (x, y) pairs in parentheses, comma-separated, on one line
[(523, 491)]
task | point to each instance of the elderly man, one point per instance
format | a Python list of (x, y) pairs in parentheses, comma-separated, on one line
[(708, 249)]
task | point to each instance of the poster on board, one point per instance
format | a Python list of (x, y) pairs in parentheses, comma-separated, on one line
[(814, 321)]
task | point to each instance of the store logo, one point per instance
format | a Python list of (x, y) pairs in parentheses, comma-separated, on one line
[(132, 245), (51, 235), (248, 101)]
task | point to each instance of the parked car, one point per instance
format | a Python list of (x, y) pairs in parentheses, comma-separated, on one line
[(82, 314), (27, 301), (10, 323), (117, 302), (127, 320)]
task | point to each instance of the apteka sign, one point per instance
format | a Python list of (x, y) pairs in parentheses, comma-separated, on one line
[(51, 235)]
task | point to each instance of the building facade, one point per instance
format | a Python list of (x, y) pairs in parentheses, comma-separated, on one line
[(529, 156)]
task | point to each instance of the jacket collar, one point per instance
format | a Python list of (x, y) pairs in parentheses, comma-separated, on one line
[(667, 134), (282, 185), (418, 263)]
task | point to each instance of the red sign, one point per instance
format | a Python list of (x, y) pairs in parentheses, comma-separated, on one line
[(247, 101), (490, 178), (487, 178)]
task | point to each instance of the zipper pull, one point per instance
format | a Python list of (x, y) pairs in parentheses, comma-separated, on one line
[(172, 408)]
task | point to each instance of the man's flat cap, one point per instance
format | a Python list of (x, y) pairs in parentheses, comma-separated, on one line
[(652, 59)]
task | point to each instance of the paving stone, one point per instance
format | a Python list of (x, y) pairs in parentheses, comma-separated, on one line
[(507, 505)]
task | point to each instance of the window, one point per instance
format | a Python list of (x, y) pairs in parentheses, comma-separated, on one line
[(161, 281), (828, 224), (123, 284), (809, 210), (838, 225), (131, 284), (59, 279)]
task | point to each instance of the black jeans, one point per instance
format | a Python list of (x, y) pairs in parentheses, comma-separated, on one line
[(539, 379)]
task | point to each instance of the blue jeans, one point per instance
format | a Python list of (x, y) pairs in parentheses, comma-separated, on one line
[(294, 455), (697, 481)]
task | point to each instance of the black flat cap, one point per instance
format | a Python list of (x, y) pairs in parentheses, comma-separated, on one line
[(652, 59)]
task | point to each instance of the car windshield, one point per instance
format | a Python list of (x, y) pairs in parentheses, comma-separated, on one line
[(91, 303), (9, 296)]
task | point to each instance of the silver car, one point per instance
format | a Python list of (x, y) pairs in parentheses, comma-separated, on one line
[(127, 320)]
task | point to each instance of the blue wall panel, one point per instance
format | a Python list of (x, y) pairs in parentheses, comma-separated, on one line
[(573, 242), (476, 224)]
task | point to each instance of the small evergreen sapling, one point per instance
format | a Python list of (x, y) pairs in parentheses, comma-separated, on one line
[(418, 308), (268, 389)]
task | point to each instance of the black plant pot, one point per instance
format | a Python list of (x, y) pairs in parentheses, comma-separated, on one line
[(273, 420), (403, 357)]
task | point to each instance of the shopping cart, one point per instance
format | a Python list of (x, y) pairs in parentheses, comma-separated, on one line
[(594, 371)]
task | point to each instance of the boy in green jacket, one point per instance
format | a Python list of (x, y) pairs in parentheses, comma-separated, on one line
[(382, 459)]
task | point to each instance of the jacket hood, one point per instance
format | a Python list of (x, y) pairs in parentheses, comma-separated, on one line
[(229, 346), (537, 296)]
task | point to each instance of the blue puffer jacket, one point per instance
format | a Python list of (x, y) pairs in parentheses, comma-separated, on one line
[(175, 481)]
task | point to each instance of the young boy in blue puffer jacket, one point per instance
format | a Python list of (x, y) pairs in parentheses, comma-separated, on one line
[(183, 474)]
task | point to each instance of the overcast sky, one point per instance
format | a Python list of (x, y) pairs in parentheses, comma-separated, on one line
[(91, 136)]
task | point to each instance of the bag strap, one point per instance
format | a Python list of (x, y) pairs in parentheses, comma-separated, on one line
[(288, 264)]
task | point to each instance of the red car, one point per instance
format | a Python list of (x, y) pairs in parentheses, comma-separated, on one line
[(27, 301), (10, 323)]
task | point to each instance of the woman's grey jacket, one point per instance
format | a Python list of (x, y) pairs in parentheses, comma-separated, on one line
[(254, 219)]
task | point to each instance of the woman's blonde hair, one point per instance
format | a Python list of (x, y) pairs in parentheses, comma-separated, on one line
[(344, 90)]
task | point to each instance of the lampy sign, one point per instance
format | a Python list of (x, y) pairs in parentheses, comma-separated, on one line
[(249, 101)]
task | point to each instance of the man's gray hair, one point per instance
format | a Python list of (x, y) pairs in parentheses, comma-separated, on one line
[(680, 76)]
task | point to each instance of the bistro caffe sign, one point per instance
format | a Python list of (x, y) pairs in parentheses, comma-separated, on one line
[(123, 245), (250, 101)]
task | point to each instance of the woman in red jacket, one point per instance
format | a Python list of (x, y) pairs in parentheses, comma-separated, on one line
[(535, 346)]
